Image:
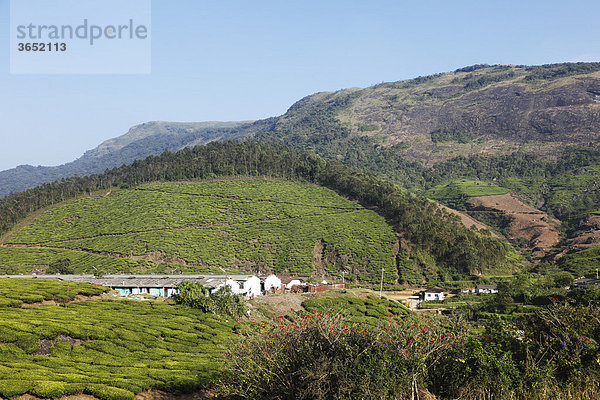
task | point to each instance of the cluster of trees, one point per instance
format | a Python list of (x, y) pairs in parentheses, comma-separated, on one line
[(472, 82), (420, 222), (524, 294), (222, 301), (552, 71)]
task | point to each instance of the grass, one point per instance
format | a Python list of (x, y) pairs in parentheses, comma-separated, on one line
[(464, 188), (191, 226)]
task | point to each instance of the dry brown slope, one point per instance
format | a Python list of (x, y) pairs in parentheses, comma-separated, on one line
[(537, 228)]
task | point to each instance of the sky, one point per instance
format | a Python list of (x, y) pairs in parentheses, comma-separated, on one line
[(244, 60)]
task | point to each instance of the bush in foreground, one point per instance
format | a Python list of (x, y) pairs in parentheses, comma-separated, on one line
[(316, 356), (551, 354)]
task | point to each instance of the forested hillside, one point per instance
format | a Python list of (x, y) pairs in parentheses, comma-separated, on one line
[(432, 243)]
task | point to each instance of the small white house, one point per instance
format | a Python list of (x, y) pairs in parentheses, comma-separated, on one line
[(289, 282), (271, 282), (214, 284), (486, 289), (249, 285), (435, 293)]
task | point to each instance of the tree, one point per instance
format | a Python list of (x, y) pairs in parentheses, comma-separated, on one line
[(60, 266)]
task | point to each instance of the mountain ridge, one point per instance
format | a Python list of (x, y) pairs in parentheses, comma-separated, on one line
[(557, 104), (142, 140)]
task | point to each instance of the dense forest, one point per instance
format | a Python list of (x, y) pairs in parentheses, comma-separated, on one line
[(432, 241)]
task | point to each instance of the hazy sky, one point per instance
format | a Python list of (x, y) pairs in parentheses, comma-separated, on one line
[(239, 60)]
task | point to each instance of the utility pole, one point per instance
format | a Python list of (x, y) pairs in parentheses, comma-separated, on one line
[(344, 281), (381, 286)]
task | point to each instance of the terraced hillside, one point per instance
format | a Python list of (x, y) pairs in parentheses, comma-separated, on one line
[(243, 224), (110, 349)]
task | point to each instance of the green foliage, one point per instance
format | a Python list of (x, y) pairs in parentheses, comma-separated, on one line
[(581, 262), (14, 292), (474, 81), (565, 337), (60, 266), (115, 349), (14, 387), (109, 393), (459, 189), (222, 301), (321, 357), (552, 353), (22, 260), (586, 296), (554, 71), (53, 390), (368, 127)]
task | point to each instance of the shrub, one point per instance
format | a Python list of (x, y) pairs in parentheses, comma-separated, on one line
[(325, 357), (108, 393), (60, 266), (223, 301), (14, 387), (50, 389)]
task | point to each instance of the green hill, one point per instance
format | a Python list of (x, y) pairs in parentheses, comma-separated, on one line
[(252, 225), (464, 188), (242, 224)]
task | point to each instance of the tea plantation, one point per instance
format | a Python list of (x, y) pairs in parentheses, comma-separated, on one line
[(193, 226), (111, 349), (14, 292)]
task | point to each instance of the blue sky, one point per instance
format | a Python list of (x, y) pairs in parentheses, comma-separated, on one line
[(239, 60)]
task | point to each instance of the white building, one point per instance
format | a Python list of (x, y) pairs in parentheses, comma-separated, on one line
[(485, 289), (435, 293), (288, 281), (249, 285), (160, 285), (271, 282)]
